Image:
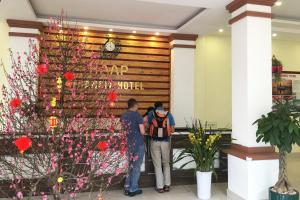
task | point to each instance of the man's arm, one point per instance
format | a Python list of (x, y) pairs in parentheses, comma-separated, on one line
[(140, 121), (142, 129), (172, 122)]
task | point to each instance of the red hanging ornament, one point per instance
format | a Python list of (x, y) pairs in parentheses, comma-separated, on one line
[(15, 103), (102, 145), (52, 122), (69, 76), (41, 69), (23, 143), (112, 96)]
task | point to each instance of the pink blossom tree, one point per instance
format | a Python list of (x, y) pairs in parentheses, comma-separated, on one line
[(59, 136)]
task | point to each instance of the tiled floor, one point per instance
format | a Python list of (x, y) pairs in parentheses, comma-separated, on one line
[(186, 192)]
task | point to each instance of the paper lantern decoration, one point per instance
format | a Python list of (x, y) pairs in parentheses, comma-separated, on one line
[(112, 96), (23, 143), (41, 69), (59, 84), (53, 102), (52, 122), (69, 76), (15, 103), (60, 179), (102, 146)]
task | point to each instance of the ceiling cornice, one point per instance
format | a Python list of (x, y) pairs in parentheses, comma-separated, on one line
[(236, 4)]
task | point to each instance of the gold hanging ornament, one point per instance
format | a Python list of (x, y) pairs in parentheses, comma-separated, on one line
[(60, 179), (59, 84), (53, 102)]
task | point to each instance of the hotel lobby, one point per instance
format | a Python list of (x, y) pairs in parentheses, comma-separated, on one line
[(69, 69)]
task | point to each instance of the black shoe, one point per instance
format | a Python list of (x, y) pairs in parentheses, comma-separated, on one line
[(132, 194), (126, 192)]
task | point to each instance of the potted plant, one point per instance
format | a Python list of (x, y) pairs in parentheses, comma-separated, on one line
[(281, 128), (276, 68), (202, 150)]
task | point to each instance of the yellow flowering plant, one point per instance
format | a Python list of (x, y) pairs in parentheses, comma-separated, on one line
[(202, 149)]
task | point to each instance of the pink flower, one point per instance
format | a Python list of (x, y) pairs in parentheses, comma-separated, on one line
[(20, 195)]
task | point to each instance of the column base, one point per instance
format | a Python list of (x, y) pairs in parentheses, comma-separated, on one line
[(233, 196), (250, 179)]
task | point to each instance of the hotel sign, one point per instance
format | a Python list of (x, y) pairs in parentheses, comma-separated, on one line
[(117, 72)]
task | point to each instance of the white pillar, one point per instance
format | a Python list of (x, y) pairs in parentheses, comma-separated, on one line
[(182, 81), (252, 166)]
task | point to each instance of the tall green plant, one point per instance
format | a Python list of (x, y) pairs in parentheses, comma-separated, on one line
[(280, 128), (202, 149)]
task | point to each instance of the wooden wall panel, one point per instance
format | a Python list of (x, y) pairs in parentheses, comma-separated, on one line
[(148, 61)]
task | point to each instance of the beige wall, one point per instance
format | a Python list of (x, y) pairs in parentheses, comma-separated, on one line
[(213, 80), (213, 75)]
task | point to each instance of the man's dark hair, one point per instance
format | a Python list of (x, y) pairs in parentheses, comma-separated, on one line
[(158, 104), (132, 103)]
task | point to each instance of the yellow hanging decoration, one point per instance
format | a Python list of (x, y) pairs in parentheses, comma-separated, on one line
[(53, 102), (60, 179), (59, 84)]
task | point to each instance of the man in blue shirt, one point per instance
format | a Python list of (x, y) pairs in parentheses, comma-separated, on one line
[(161, 125), (133, 123)]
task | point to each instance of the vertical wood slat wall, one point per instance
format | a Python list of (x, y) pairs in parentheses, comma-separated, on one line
[(148, 61)]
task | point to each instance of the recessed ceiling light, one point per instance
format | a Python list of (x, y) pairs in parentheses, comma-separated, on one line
[(133, 31), (221, 30), (157, 33), (85, 28), (278, 3), (85, 32), (274, 34), (111, 30)]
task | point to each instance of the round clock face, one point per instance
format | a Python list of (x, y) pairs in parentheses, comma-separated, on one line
[(110, 46)]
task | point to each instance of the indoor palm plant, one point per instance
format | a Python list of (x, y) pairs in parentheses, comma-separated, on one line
[(202, 150), (281, 128)]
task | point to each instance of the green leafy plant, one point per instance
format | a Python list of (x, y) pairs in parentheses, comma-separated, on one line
[(281, 128), (202, 149)]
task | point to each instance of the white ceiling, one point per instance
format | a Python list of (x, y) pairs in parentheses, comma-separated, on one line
[(148, 16), (118, 12)]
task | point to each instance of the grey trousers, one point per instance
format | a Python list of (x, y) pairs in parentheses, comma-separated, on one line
[(160, 153)]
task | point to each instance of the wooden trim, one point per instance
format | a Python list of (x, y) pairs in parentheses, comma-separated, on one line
[(236, 4), (183, 46), (23, 34), (290, 72), (176, 36), (254, 153), (24, 24), (250, 14)]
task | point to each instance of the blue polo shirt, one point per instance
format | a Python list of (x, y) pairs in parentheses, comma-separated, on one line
[(131, 121)]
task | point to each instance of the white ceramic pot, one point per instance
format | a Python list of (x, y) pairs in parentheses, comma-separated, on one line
[(204, 185)]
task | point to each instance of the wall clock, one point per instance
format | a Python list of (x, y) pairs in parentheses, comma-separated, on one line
[(110, 49)]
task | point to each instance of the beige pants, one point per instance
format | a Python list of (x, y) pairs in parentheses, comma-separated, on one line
[(160, 153)]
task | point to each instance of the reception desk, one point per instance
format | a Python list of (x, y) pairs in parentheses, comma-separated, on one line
[(184, 176)]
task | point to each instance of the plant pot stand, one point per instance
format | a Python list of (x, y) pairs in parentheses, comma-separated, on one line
[(277, 196)]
